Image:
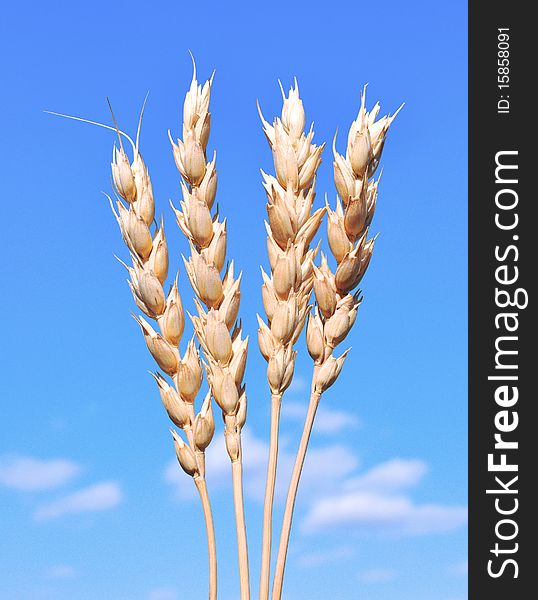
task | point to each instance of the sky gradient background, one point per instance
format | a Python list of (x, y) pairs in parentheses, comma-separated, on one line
[(93, 506)]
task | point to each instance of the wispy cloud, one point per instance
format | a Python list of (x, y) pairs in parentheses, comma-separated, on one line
[(328, 420), (376, 575), (98, 497), (376, 500), (61, 572), (28, 474), (334, 493), (319, 558), (325, 467), (163, 594), (393, 513), (395, 474)]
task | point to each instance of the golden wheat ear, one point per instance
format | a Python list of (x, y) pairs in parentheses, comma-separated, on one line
[(134, 210), (336, 304), (217, 295), (286, 291)]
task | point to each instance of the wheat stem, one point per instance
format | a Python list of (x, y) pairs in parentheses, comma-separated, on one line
[(149, 254), (242, 546), (286, 292), (276, 400), (217, 297), (200, 459), (292, 494), (347, 235), (201, 486)]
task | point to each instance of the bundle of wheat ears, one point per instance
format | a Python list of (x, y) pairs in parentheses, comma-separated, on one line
[(218, 348)]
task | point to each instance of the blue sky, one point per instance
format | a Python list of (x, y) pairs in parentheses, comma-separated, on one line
[(92, 505)]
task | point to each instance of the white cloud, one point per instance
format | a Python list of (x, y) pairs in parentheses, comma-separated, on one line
[(25, 473), (391, 475), (218, 470), (332, 491), (355, 508), (324, 467), (375, 500), (328, 420), (61, 572), (434, 518), (98, 497), (376, 575), (316, 559), (163, 594), (394, 513)]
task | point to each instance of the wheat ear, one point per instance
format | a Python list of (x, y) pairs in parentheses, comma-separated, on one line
[(148, 273), (286, 292), (336, 307), (218, 298)]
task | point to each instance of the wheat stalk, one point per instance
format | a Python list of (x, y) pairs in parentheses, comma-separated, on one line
[(336, 307), (216, 325), (148, 273), (286, 292)]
